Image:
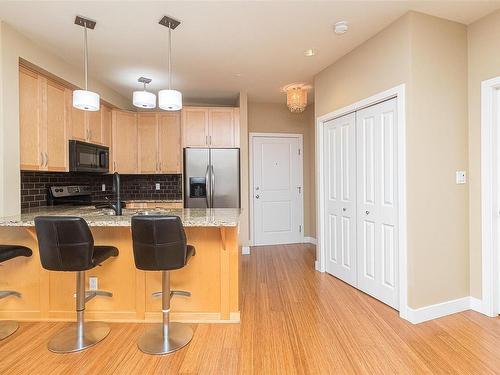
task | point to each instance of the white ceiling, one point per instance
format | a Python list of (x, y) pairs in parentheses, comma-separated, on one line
[(220, 48)]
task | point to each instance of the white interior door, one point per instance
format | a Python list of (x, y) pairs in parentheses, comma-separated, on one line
[(377, 201), (340, 197), (277, 190)]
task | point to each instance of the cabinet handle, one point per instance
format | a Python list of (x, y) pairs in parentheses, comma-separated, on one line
[(90, 134), (46, 159), (42, 162), (114, 166), (206, 140), (210, 138)]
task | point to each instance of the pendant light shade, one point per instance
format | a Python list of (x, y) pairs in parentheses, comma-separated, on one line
[(86, 100), (170, 100), (144, 99)]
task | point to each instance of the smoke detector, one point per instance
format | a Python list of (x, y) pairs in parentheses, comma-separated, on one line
[(341, 27)]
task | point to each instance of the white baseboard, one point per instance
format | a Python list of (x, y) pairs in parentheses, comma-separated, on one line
[(317, 266), (439, 310), (476, 304), (310, 240), (245, 250)]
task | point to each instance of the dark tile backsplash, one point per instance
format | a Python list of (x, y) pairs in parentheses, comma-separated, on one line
[(34, 186)]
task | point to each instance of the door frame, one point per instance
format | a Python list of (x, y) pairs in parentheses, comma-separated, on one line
[(397, 92), (490, 198), (251, 138)]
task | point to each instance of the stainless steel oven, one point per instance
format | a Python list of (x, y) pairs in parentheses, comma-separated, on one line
[(88, 157)]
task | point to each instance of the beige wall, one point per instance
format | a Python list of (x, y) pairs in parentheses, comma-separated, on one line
[(429, 56), (484, 63), (244, 235), (13, 46), (276, 118)]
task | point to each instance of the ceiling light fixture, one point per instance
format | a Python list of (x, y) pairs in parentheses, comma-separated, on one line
[(296, 96), (341, 27), (84, 99), (169, 100), (309, 52), (144, 99)]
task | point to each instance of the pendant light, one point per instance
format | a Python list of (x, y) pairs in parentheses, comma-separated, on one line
[(169, 100), (84, 99), (144, 99)]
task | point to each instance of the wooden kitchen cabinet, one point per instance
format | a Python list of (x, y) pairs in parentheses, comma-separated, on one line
[(169, 142), (89, 126), (159, 143), (216, 127), (44, 118), (147, 128), (106, 125), (124, 142)]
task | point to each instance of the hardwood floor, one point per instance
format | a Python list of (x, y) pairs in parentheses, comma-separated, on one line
[(294, 321)]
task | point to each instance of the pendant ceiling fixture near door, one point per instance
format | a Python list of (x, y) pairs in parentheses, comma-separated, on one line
[(144, 99), (296, 96), (84, 99), (169, 100)]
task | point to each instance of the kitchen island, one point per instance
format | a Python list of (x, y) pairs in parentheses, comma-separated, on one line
[(212, 276)]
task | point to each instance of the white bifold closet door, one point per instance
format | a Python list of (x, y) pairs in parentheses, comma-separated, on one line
[(377, 201), (360, 166), (340, 197)]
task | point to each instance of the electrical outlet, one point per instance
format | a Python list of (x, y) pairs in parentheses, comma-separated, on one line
[(93, 283), (103, 187), (157, 186)]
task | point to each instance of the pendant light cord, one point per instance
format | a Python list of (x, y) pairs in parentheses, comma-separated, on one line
[(169, 56), (85, 53)]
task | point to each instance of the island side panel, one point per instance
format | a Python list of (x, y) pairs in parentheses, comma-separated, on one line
[(49, 295)]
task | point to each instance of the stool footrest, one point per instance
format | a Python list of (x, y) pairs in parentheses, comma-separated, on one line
[(89, 294), (183, 293), (7, 293)]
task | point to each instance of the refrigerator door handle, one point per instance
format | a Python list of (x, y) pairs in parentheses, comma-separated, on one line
[(208, 187), (212, 185)]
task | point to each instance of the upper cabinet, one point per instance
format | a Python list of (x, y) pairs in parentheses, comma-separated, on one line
[(159, 142), (91, 127), (124, 140), (43, 123), (216, 127)]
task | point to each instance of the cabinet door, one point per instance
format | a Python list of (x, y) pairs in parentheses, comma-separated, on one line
[(124, 140), (55, 127), (222, 130), (195, 127), (78, 128), (106, 125), (169, 149), (147, 143), (29, 119), (94, 130)]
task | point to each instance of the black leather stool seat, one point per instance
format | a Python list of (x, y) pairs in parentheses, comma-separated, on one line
[(101, 253), (13, 251), (159, 243), (66, 244)]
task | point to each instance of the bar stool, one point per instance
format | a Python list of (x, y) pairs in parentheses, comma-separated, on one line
[(66, 244), (159, 244), (8, 252)]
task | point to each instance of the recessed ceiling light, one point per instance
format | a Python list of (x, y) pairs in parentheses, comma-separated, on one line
[(309, 52), (238, 74), (341, 27)]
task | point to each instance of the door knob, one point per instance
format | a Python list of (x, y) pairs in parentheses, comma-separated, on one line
[(367, 212), (257, 196), (344, 209)]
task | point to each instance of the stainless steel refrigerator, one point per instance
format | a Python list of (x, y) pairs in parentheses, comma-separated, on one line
[(212, 177)]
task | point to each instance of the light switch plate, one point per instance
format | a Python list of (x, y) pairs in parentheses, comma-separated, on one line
[(157, 186), (93, 283), (460, 177), (103, 187)]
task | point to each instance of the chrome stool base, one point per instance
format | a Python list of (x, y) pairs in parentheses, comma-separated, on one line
[(154, 342), (7, 328), (71, 340)]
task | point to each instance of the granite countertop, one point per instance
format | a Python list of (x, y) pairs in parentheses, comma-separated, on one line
[(153, 201), (191, 217)]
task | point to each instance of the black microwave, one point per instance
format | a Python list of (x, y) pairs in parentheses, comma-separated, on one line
[(88, 157)]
